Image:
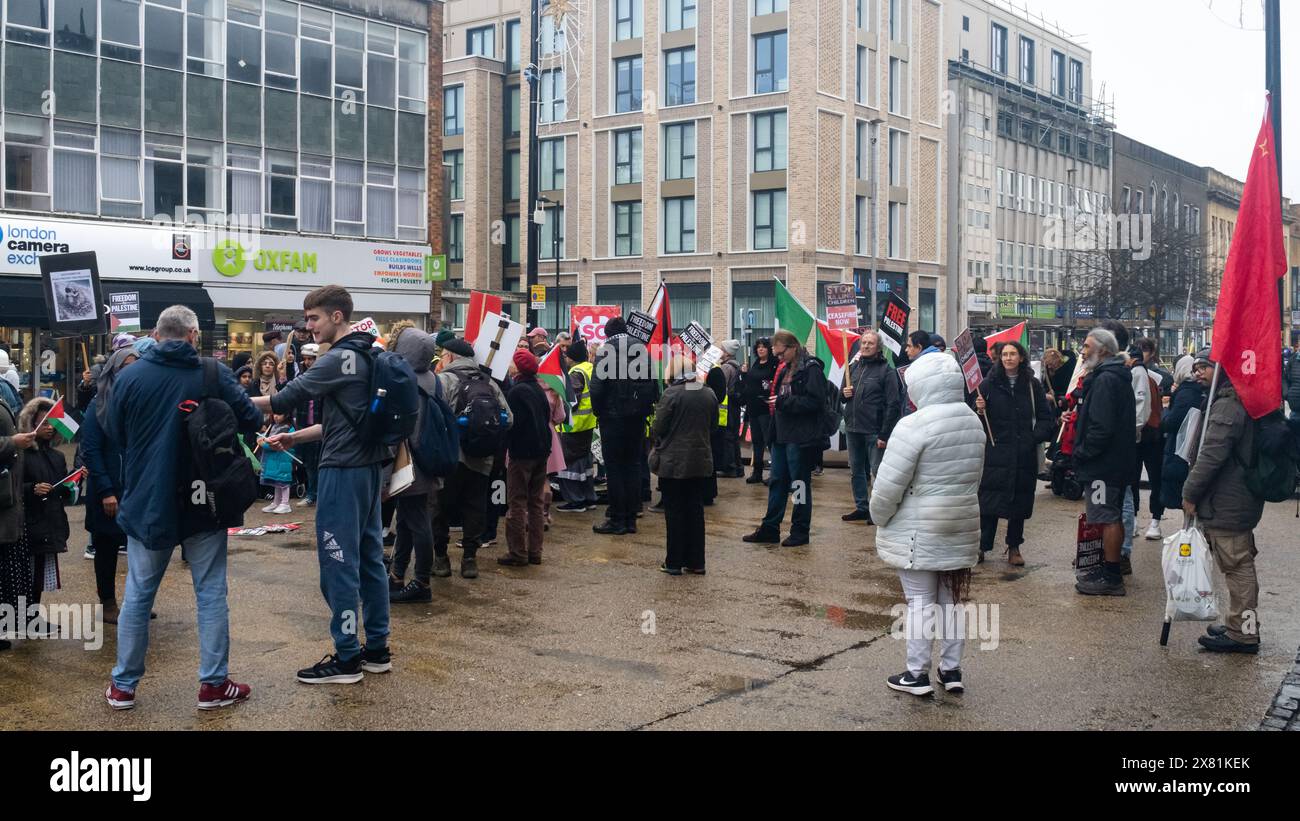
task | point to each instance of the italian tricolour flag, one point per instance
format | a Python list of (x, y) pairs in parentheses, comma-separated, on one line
[(828, 345), (60, 420)]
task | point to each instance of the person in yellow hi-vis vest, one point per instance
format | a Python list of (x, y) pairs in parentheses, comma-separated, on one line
[(577, 482)]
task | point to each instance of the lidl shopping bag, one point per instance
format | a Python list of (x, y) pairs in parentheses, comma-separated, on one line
[(1189, 577)]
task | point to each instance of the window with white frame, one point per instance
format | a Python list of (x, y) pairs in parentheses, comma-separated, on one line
[(769, 217), (627, 19), (1058, 74), (281, 190), (679, 225), (679, 78), (1026, 60), (455, 162), (897, 230), (453, 111), (762, 7), (627, 156), (119, 174), (552, 38), (1076, 81), (679, 151), (627, 84), (771, 67), (553, 108), (552, 164), (481, 42), (998, 48), (349, 197), (771, 141), (898, 21), (627, 229), (75, 187), (897, 158), (314, 187), (897, 86), (551, 242), (680, 15), (456, 238)]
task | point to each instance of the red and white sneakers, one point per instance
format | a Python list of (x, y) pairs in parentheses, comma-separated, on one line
[(119, 699), (213, 696)]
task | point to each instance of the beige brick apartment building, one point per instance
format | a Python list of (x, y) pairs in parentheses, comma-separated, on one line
[(709, 144)]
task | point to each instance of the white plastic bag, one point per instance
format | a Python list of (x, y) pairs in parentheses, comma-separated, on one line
[(1189, 577)]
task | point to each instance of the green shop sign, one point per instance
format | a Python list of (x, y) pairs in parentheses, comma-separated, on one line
[(1014, 306), (230, 259)]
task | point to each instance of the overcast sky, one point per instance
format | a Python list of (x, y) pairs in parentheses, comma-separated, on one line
[(1187, 76)]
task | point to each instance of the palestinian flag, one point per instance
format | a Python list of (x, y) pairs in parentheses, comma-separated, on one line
[(550, 374), (72, 483), (61, 420), (1016, 333), (827, 343), (833, 348)]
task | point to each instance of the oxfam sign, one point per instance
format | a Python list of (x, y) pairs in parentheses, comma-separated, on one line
[(230, 259)]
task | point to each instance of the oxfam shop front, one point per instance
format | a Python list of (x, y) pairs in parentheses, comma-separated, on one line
[(257, 283)]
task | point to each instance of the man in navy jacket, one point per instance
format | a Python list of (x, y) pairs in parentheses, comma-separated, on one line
[(145, 423)]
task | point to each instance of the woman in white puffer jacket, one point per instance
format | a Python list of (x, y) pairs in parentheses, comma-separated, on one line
[(926, 505)]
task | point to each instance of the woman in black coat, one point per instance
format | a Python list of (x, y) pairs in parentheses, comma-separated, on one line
[(755, 385), (1188, 393), (46, 522), (1018, 418)]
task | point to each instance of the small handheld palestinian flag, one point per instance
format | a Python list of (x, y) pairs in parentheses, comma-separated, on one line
[(61, 420), (72, 483), (550, 374)]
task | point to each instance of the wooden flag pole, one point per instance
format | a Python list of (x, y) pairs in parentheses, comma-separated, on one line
[(85, 357), (848, 378)]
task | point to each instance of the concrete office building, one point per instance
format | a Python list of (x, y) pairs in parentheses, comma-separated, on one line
[(709, 144), (131, 127), (1028, 146)]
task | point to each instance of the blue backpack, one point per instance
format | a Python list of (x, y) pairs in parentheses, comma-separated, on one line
[(436, 451), (394, 399)]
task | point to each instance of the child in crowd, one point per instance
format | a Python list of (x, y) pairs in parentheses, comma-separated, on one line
[(277, 467)]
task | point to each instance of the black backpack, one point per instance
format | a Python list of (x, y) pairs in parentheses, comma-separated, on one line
[(436, 451), (1271, 473), (394, 405), (221, 482), (479, 415)]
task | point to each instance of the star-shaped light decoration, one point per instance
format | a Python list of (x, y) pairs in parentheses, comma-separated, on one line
[(559, 9)]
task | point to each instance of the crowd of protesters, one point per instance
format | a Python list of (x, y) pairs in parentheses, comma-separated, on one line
[(934, 466)]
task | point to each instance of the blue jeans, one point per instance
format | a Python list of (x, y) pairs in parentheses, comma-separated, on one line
[(350, 548), (864, 461), (206, 553), (1130, 521), (790, 464)]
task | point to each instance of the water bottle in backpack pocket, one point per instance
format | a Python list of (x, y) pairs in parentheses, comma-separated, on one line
[(394, 400), (479, 415)]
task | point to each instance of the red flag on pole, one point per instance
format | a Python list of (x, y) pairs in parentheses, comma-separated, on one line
[(480, 304), (1016, 333), (1247, 330)]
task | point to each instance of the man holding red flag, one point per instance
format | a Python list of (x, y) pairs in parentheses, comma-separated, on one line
[(1247, 353)]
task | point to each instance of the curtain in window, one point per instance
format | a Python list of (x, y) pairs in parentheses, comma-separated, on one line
[(314, 206), (74, 182), (380, 212), (244, 194)]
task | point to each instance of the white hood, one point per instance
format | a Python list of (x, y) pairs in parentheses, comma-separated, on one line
[(933, 380)]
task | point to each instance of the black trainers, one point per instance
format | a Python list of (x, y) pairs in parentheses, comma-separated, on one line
[(608, 528), (378, 660), (394, 585), (762, 536), (573, 507), (794, 541), (1216, 630), (441, 566), (1225, 644), (333, 670), (1096, 584), (918, 685), (469, 567), (1126, 566), (857, 516), (412, 592), (951, 680)]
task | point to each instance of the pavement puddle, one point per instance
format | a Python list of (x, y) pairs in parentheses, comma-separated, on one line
[(841, 616)]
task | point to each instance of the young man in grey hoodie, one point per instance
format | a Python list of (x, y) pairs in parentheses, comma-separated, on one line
[(349, 540)]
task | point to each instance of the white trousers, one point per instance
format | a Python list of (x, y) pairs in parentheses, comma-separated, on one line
[(924, 589)]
